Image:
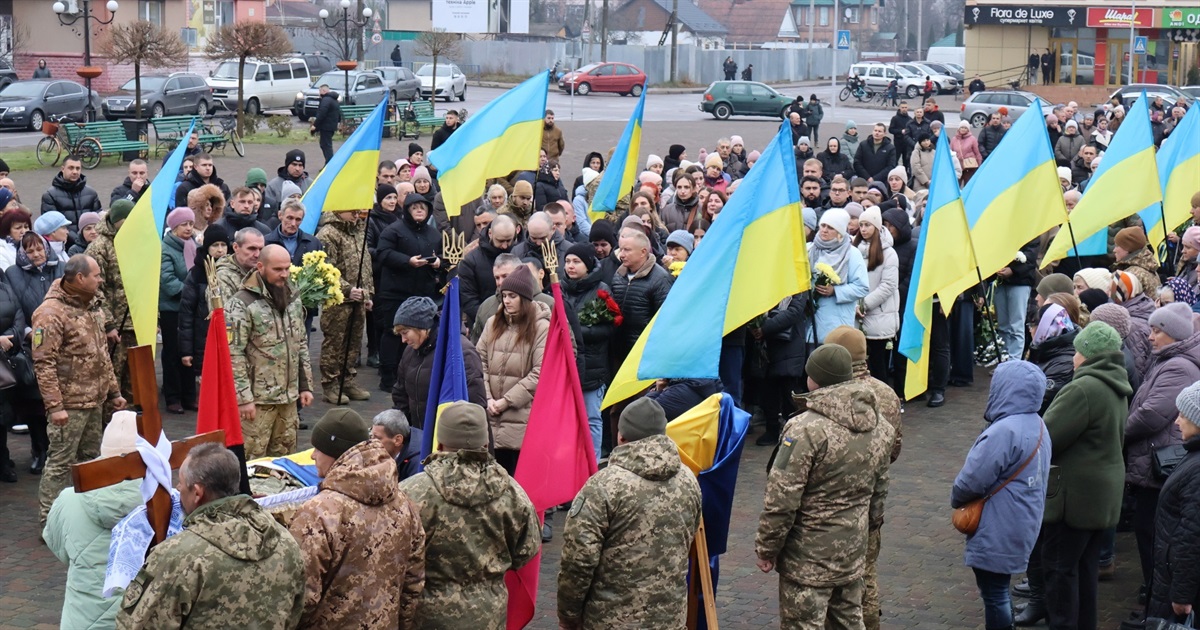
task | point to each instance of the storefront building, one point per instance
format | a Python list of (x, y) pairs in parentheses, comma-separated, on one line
[(1090, 43)]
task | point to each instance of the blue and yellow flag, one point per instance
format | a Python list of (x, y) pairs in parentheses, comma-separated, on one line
[(139, 247), (503, 137), (348, 181), (751, 258), (944, 257), (622, 171), (448, 381), (1013, 198), (1118, 188), (1178, 175)]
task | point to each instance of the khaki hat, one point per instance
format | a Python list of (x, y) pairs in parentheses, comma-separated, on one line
[(463, 425), (643, 418), (339, 430), (852, 339)]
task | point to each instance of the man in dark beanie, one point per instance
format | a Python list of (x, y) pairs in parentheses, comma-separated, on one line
[(479, 524), (359, 529), (625, 547), (291, 171), (824, 492)]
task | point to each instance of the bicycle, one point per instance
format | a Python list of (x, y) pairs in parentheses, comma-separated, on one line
[(225, 125), (860, 93), (51, 148)]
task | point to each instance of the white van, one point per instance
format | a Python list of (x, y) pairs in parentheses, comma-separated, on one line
[(878, 75), (267, 85)]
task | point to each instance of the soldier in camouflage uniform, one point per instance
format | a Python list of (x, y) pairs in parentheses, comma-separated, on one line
[(479, 524), (232, 270), (343, 234), (232, 566), (269, 350), (827, 484), (363, 545), (625, 548), (118, 325), (74, 373), (887, 403)]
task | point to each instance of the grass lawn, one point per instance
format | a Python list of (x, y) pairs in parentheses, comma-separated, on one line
[(25, 160)]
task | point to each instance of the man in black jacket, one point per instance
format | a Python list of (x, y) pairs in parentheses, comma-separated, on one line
[(639, 287), (329, 114), (203, 172), (475, 270), (240, 214), (69, 192), (876, 156), (898, 127), (447, 129), (134, 185), (991, 135), (291, 171)]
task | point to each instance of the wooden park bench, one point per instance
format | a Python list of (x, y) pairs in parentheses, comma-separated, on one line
[(106, 138), (169, 132)]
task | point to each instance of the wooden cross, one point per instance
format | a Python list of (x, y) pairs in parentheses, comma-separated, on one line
[(101, 473)]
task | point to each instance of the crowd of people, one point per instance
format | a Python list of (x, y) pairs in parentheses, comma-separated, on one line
[(1097, 362)]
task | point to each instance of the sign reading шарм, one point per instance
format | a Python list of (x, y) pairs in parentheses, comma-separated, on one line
[(1022, 14)]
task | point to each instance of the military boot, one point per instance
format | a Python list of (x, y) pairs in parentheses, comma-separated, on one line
[(330, 394), (355, 392)]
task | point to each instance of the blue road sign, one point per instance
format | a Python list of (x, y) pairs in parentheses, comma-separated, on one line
[(843, 41), (1139, 45)]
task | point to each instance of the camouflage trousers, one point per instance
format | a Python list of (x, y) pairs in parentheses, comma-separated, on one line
[(76, 441), (816, 608), (272, 432), (870, 600), (335, 326)]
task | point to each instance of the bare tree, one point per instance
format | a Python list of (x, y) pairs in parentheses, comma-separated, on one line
[(142, 44), (436, 44), (244, 40)]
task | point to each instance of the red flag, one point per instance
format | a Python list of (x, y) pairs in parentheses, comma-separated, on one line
[(218, 397), (557, 456)]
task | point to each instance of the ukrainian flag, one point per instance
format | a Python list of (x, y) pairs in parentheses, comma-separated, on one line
[(1118, 187), (348, 181), (503, 137), (1013, 198), (622, 170), (752, 258), (448, 381), (944, 258), (139, 247), (1178, 176)]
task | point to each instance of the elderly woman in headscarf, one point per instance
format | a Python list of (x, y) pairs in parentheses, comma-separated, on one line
[(1052, 350), (839, 273)]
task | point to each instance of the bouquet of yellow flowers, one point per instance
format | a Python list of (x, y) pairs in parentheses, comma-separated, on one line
[(826, 276), (319, 283)]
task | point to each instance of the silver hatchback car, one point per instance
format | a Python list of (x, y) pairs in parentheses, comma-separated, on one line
[(980, 106)]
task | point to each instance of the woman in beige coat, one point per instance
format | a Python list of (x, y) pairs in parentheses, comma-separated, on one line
[(511, 352)]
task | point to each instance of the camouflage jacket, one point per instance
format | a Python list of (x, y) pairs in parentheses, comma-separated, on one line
[(887, 403), (269, 349), (519, 215), (70, 353), (363, 546), (479, 524), (626, 542), (343, 241), (232, 566), (828, 483), (230, 277), (112, 291)]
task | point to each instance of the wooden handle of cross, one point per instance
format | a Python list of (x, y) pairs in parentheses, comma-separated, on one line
[(700, 589)]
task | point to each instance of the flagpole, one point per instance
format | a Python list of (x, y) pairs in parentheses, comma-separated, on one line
[(1166, 233), (1074, 245)]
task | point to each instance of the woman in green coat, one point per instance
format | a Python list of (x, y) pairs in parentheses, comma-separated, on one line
[(178, 252)]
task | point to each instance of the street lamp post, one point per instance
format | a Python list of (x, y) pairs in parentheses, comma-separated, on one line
[(88, 72), (346, 65)]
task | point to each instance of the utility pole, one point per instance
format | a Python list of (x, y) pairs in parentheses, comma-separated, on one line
[(674, 25), (1132, 24), (833, 72), (904, 44), (920, 15), (812, 21), (604, 30)]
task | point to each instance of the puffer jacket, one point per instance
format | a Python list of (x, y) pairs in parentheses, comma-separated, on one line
[(378, 220), (675, 214), (577, 294), (398, 243), (363, 545), (72, 199), (905, 247), (639, 298), (921, 161), (475, 275), (172, 274), (30, 284), (1144, 265), (1152, 413), (511, 369), (1177, 537), (835, 164), (1067, 148), (78, 532), (547, 190), (232, 222), (839, 309), (990, 138), (410, 394), (785, 331), (12, 316), (1140, 309), (193, 316), (479, 524), (882, 303), (194, 181), (1055, 358)]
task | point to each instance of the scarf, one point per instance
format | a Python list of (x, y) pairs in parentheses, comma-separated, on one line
[(834, 253), (1053, 323), (77, 292), (1182, 290)]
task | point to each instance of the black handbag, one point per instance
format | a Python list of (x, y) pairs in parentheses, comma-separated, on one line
[(22, 368), (8, 379), (1166, 459)]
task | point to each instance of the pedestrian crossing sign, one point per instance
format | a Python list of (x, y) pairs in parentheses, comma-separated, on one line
[(1139, 45), (843, 41)]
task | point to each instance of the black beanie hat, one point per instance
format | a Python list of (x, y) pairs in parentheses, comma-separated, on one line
[(586, 253), (603, 231), (676, 151), (414, 148), (383, 190)]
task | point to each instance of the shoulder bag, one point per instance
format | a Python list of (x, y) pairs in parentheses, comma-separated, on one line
[(966, 518), (1166, 459)]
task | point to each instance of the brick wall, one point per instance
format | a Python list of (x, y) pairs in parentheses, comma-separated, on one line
[(63, 66), (1085, 95)]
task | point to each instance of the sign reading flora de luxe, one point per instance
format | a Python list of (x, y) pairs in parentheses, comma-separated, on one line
[(1023, 14)]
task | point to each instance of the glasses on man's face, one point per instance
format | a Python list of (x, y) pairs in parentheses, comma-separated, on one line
[(841, 191)]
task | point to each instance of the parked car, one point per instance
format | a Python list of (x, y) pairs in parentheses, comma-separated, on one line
[(267, 85), (1193, 91), (878, 75), (723, 99), (621, 78), (947, 69), (1130, 93), (451, 82), (31, 102), (162, 95), (402, 83), (942, 83), (318, 63), (7, 74), (366, 88), (981, 105)]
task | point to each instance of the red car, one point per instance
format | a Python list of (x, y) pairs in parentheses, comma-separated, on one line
[(621, 78)]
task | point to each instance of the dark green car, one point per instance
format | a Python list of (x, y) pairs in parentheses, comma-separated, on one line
[(723, 99)]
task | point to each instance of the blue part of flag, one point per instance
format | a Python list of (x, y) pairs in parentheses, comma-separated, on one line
[(1094, 245), (718, 482), (448, 383)]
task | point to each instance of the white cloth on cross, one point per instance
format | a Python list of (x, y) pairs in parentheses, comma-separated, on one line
[(130, 539), (157, 459)]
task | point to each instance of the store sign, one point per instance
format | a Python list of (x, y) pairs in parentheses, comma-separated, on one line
[(1101, 17), (1181, 18), (460, 16), (1016, 14)]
